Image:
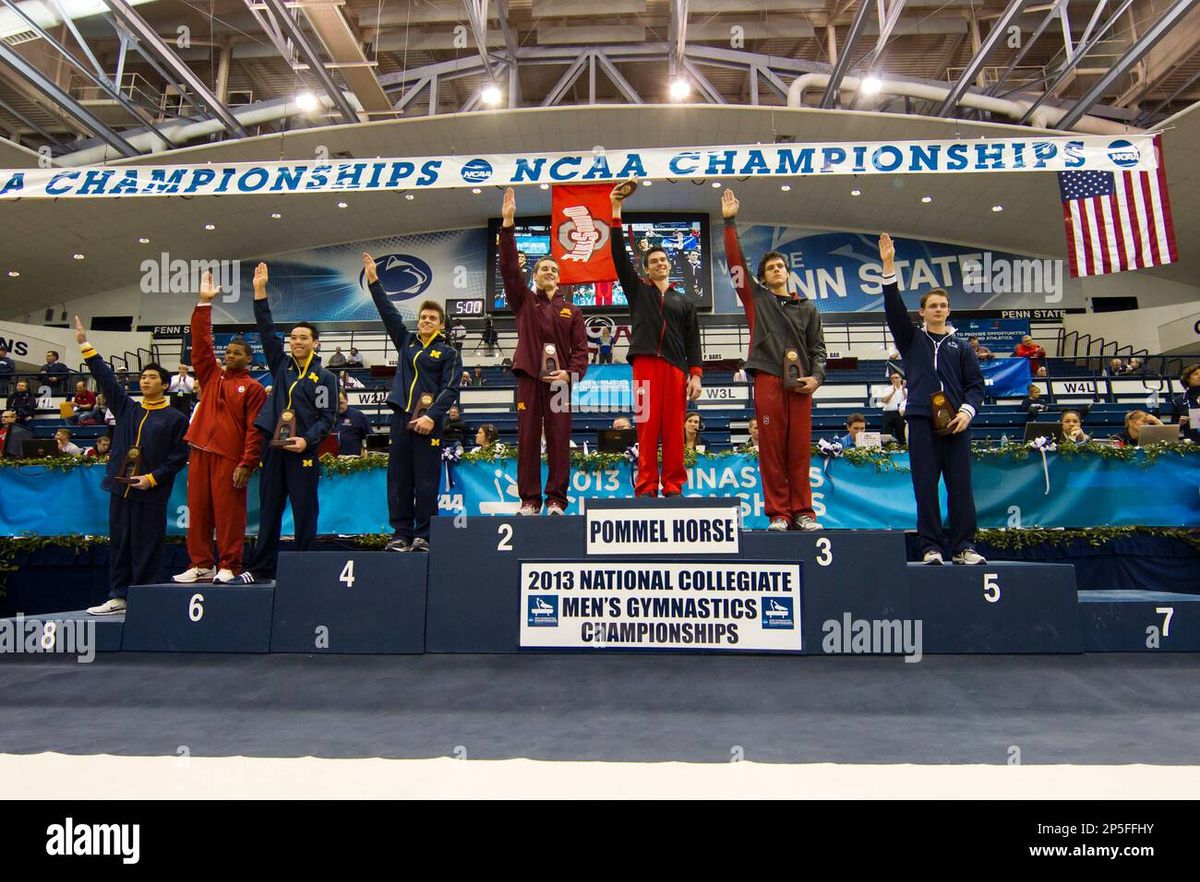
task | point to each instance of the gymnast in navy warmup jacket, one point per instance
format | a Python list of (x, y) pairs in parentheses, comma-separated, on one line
[(936, 359), (137, 512)]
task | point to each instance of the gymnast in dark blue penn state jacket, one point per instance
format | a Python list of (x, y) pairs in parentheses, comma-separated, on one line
[(936, 360)]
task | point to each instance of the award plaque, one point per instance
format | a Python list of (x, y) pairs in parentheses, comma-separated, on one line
[(131, 467), (792, 372), (285, 429), (940, 413), (626, 188), (423, 404), (549, 360)]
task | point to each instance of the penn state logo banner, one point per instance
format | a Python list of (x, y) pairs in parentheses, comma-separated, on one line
[(580, 219)]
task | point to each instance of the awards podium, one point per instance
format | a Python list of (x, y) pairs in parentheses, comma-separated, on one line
[(647, 575)]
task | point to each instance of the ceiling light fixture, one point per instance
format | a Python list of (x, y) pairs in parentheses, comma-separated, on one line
[(307, 102), (856, 192), (78, 256), (926, 199), (871, 85), (490, 95), (680, 89), (210, 227), (997, 208), (786, 188)]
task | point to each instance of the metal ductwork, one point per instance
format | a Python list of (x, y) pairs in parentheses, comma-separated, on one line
[(181, 133), (1043, 117)]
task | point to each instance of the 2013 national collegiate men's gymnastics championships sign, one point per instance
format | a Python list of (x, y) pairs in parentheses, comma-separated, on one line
[(1078, 153)]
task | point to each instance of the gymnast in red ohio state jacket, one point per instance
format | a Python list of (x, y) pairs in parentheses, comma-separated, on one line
[(225, 449)]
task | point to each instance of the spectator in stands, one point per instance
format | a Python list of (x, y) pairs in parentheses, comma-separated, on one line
[(1115, 368), (1071, 425), (981, 352), (338, 359), (740, 376), (604, 348), (100, 449), (183, 391), (1027, 348), (354, 359), (1134, 420), (102, 412), (487, 440), (895, 364), (892, 402), (458, 333), (1034, 403), (622, 423), (464, 380), (752, 430), (1041, 372), (347, 380), (352, 428), (54, 372), (1187, 406), (63, 437), (23, 403), (83, 404), (8, 367), (455, 430), (1134, 366), (13, 435), (692, 439), (478, 379), (856, 424)]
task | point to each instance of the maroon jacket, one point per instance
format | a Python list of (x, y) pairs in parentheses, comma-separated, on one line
[(541, 321)]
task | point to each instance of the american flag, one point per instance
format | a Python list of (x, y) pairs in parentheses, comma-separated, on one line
[(1117, 221)]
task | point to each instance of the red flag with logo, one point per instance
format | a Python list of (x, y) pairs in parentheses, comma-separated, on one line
[(580, 223)]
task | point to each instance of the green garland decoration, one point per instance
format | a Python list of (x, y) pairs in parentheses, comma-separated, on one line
[(1095, 536)]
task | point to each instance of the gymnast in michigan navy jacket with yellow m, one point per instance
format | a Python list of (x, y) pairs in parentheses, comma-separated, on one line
[(936, 359), (137, 513), (426, 386)]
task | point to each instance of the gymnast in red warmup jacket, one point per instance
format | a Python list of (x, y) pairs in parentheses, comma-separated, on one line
[(225, 449)]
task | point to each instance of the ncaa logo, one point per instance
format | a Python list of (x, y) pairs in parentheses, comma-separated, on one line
[(401, 275), (1124, 154), (477, 171), (778, 612)]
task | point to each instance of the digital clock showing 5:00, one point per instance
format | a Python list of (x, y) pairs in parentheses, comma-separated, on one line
[(465, 306)]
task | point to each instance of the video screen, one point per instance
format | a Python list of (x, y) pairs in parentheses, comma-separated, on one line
[(684, 236)]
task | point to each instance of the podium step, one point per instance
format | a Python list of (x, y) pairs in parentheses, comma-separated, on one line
[(1140, 621), (997, 607), (73, 633), (474, 577), (351, 602), (201, 617), (844, 572)]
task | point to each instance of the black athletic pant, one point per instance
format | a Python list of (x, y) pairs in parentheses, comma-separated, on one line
[(136, 533), (893, 424), (949, 457), (285, 476), (414, 466)]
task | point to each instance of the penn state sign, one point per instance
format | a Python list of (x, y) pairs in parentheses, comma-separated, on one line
[(1082, 152)]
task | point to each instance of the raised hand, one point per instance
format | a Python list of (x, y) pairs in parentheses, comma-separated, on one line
[(207, 289), (508, 210), (729, 205), (80, 333), (369, 268), (887, 252), (260, 282)]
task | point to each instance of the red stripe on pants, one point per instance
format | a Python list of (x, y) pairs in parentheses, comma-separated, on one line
[(538, 406), (214, 505), (784, 447), (661, 390)]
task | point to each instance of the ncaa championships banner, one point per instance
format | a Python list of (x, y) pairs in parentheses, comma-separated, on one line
[(1076, 153), (1006, 377)]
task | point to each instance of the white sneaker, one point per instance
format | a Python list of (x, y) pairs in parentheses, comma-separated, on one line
[(224, 576), (807, 523), (778, 525), (969, 557), (554, 509), (112, 607), (195, 574), (527, 510), (933, 557)]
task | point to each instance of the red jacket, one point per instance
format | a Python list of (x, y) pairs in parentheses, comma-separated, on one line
[(223, 422), (541, 321), (1033, 352)]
